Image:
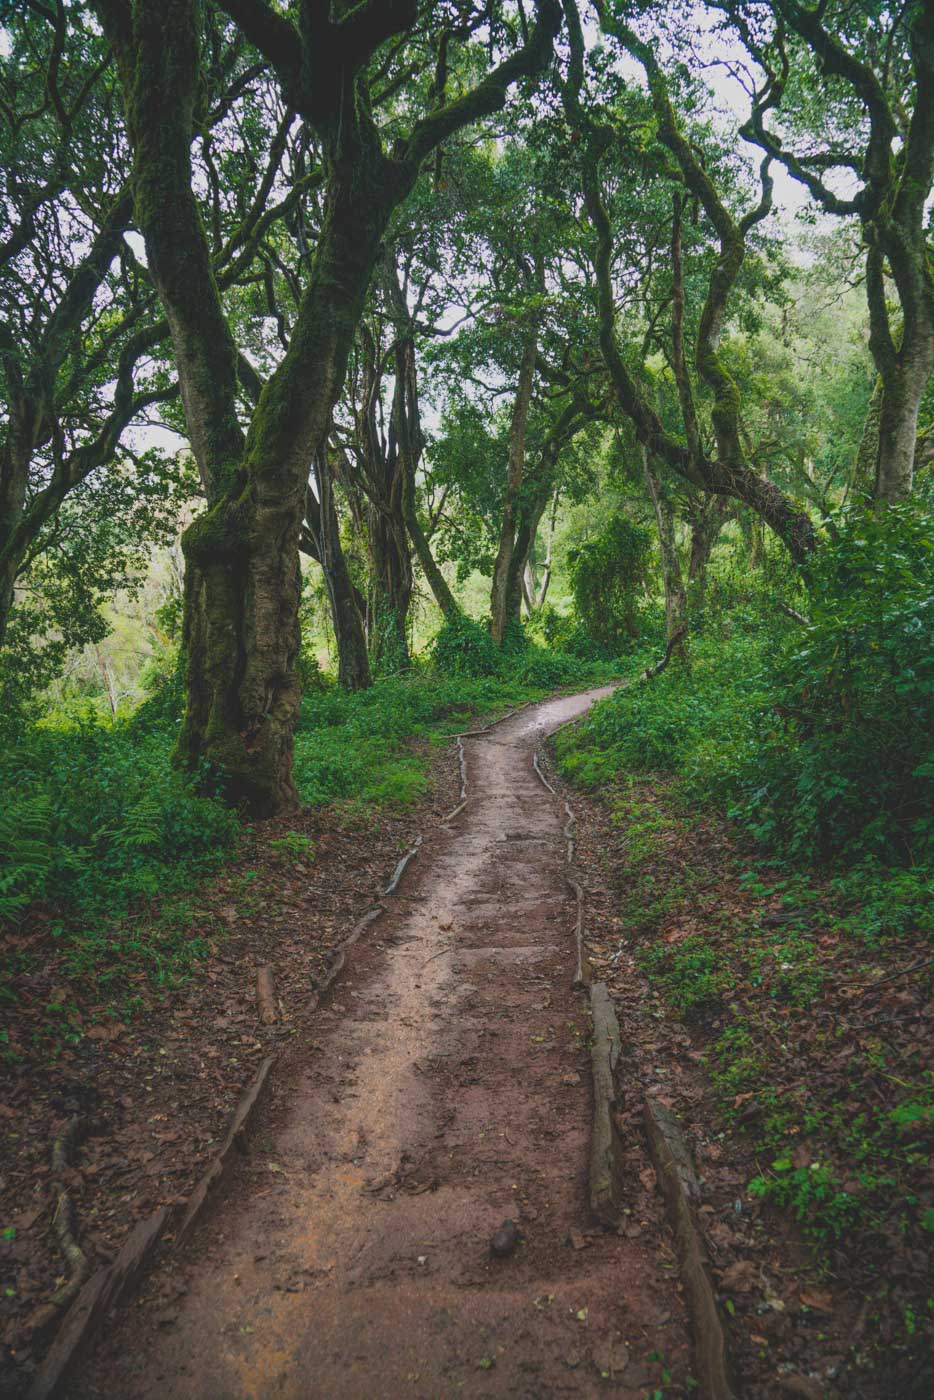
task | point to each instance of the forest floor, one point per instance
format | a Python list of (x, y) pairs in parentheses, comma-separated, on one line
[(440, 1089), (776, 1030)]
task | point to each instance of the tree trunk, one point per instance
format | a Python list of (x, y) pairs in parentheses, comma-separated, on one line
[(391, 572), (541, 591), (865, 467), (243, 589), (243, 710), (529, 518), (902, 392), (10, 563), (407, 428), (675, 593), (324, 545), (505, 594), (429, 565), (707, 520)]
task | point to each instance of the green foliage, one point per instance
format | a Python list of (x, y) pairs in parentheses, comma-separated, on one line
[(817, 737), (101, 819), (814, 1194), (25, 852), (293, 846), (464, 647), (691, 972), (563, 632), (678, 722), (359, 745), (840, 760), (607, 575), (545, 670)]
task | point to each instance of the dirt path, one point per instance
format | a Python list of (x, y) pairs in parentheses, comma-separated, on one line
[(447, 1090)]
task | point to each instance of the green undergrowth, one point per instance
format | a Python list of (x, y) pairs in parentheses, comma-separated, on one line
[(359, 746), (766, 903), (103, 845), (774, 972)]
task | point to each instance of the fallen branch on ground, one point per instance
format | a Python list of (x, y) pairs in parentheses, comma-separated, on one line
[(794, 614), (266, 996)]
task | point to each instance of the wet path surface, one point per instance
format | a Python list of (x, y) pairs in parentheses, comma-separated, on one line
[(447, 1090)]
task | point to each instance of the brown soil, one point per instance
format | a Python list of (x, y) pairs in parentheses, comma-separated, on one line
[(444, 1089)]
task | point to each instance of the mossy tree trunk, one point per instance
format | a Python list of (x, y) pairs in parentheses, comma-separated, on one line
[(243, 579), (241, 630), (891, 154), (407, 428), (380, 473), (321, 540), (535, 586), (391, 569), (707, 519), (530, 517), (505, 591), (676, 602), (540, 486)]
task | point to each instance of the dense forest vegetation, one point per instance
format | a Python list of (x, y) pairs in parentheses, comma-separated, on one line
[(368, 367)]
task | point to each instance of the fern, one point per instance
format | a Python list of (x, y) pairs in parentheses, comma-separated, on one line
[(141, 826), (25, 853)]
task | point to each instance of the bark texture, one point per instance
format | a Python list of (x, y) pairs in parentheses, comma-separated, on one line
[(894, 169), (321, 540), (505, 594), (676, 602)]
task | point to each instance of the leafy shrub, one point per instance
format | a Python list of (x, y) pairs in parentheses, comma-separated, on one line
[(119, 824), (682, 721), (25, 852), (357, 746), (544, 669), (607, 575), (464, 647), (816, 737), (564, 632), (841, 759)]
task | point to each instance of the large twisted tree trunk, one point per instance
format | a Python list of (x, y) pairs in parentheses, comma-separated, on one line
[(243, 587), (391, 568), (241, 628)]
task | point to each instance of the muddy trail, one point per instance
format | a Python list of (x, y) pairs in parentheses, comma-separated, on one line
[(447, 1089)]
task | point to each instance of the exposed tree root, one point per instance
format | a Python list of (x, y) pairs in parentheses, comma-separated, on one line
[(63, 1219), (581, 978)]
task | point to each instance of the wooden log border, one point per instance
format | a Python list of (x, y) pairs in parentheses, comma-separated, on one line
[(606, 1167), (103, 1291), (678, 1184), (668, 1149)]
